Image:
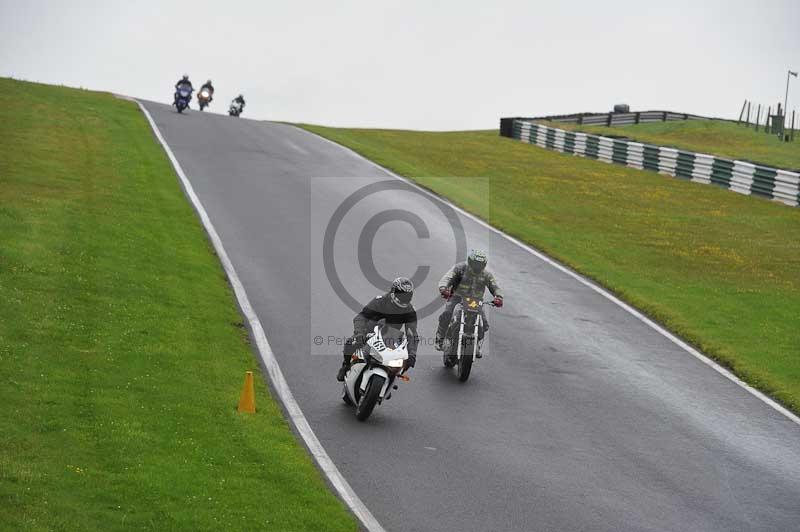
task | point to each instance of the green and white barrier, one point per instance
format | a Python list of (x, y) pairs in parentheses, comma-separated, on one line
[(739, 176)]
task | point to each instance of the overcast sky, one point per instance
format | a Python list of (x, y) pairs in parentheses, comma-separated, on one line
[(457, 64)]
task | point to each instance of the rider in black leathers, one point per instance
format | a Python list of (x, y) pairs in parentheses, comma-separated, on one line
[(210, 87), (396, 309)]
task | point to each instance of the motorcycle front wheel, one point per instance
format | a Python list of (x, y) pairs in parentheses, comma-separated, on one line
[(346, 399), (367, 402), (465, 363)]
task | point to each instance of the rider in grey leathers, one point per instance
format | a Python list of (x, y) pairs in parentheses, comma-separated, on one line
[(466, 279)]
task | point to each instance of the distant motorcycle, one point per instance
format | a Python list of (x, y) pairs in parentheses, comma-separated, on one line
[(204, 98), (462, 342), (182, 98), (374, 370), (235, 108)]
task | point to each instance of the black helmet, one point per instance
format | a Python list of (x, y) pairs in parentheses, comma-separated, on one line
[(208, 82), (186, 76), (477, 260), (401, 292)]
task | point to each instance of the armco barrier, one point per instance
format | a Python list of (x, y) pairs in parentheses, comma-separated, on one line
[(739, 176), (620, 119)]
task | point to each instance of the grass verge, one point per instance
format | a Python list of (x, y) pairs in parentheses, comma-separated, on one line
[(714, 137), (122, 353), (720, 269)]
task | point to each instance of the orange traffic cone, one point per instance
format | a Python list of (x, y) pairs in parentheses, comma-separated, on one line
[(247, 402)]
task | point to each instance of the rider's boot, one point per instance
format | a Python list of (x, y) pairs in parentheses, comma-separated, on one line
[(342, 371), (438, 342)]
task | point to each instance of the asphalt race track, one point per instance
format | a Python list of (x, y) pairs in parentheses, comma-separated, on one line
[(579, 418)]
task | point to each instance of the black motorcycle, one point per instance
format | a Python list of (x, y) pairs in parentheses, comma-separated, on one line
[(204, 97), (462, 342)]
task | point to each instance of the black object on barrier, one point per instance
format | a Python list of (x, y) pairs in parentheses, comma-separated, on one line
[(507, 127)]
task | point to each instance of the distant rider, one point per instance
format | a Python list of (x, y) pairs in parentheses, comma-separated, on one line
[(183, 82), (210, 87), (395, 307), (466, 279), (240, 100)]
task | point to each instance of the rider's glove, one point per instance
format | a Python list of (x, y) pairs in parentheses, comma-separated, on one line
[(446, 292), (359, 340), (498, 301), (408, 364)]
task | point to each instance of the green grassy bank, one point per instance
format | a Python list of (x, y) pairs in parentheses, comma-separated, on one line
[(122, 353)]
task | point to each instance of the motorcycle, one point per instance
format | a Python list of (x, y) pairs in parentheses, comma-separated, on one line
[(374, 371), (204, 98), (464, 336), (182, 98), (235, 109)]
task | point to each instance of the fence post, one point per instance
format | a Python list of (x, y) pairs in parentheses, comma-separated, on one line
[(580, 120), (792, 125), (748, 114), (741, 113), (608, 120), (664, 119), (766, 121), (637, 117), (758, 116)]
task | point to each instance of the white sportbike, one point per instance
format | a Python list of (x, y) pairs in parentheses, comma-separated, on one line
[(236, 108), (374, 371)]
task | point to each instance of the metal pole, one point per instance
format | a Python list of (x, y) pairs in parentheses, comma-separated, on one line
[(792, 125), (748, 114), (786, 97), (738, 121)]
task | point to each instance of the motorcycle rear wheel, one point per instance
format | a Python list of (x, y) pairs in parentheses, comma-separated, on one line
[(367, 402)]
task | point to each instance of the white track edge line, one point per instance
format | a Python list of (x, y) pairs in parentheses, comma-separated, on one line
[(608, 295), (267, 356)]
